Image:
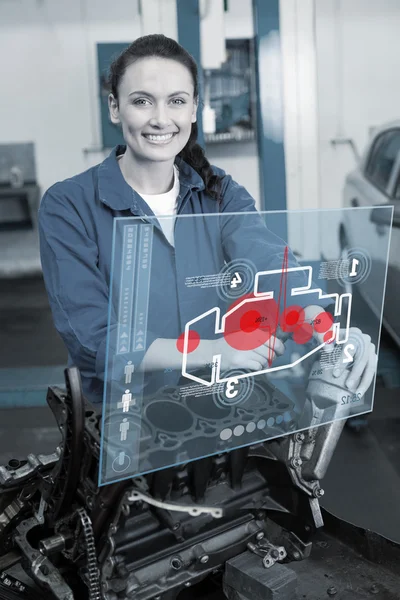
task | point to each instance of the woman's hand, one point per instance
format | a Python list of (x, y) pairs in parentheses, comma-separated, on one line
[(252, 360), (358, 355)]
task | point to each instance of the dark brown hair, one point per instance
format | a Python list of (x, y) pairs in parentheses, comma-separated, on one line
[(161, 46)]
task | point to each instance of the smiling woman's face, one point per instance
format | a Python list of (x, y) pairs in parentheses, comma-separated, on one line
[(155, 108)]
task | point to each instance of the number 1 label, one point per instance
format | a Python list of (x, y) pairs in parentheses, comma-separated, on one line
[(354, 264)]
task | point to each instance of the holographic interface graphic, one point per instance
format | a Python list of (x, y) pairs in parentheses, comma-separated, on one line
[(230, 337)]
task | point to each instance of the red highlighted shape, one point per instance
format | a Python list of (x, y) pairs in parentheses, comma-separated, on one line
[(292, 318), (323, 322), (193, 341), (250, 321), (329, 337), (303, 334), (251, 324)]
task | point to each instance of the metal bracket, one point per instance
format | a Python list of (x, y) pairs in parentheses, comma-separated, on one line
[(194, 510), (40, 512), (269, 553), (41, 569)]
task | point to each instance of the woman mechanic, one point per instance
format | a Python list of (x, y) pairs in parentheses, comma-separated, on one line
[(160, 170)]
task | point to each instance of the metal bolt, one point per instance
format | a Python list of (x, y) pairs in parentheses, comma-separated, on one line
[(187, 584), (332, 591), (267, 562), (260, 535), (176, 526), (296, 462), (296, 555), (176, 563), (204, 559), (300, 437), (374, 589), (318, 492)]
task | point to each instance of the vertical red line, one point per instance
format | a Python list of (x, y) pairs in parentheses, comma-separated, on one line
[(282, 282)]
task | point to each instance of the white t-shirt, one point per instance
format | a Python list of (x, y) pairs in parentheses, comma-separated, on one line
[(165, 204)]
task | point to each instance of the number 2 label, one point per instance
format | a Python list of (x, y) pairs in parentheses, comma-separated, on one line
[(347, 354)]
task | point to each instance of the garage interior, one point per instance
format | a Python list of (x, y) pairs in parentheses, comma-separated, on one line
[(339, 73)]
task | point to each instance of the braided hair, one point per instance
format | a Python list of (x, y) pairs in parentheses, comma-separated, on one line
[(159, 45)]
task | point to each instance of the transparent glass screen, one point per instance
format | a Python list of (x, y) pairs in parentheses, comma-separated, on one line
[(229, 337)]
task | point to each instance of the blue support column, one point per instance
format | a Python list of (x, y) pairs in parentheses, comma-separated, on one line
[(269, 108), (189, 37)]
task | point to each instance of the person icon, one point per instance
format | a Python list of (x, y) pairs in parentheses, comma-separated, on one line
[(124, 427), (128, 372), (126, 400)]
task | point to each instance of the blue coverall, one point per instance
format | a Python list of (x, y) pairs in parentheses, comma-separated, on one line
[(76, 227)]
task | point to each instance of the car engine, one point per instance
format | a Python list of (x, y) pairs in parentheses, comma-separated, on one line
[(248, 520)]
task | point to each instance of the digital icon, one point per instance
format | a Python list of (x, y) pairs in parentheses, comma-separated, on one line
[(139, 340), (236, 279), (236, 391), (123, 338), (124, 428), (243, 328), (359, 264), (129, 369), (354, 265), (126, 401), (230, 391), (121, 463), (348, 357)]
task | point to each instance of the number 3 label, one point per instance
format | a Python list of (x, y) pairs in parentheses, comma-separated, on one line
[(347, 354), (230, 392)]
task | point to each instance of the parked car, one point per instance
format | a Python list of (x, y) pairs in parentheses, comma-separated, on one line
[(376, 182)]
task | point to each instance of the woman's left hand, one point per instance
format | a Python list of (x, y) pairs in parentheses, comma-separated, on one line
[(358, 353)]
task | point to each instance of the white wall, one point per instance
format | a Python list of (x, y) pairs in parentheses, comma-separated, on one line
[(52, 82), (50, 70), (340, 64), (358, 62), (358, 54), (239, 19)]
